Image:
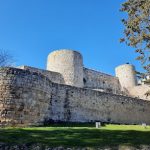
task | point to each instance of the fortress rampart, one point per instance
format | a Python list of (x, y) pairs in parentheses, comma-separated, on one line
[(24, 97), (31, 96), (101, 81), (52, 76)]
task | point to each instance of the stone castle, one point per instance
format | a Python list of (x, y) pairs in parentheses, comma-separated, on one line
[(69, 92)]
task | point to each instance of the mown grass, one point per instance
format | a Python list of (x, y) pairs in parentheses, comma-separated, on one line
[(82, 135)]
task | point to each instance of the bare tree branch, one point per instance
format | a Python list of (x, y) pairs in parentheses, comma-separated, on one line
[(5, 59)]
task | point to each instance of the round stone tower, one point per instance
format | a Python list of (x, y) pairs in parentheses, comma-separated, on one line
[(69, 64), (126, 75)]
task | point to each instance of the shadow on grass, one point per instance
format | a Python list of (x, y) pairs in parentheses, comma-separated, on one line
[(74, 137), (69, 124)]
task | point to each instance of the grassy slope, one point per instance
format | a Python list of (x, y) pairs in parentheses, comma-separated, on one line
[(110, 135)]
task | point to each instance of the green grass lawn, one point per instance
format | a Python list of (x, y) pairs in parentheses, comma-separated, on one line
[(81, 135)]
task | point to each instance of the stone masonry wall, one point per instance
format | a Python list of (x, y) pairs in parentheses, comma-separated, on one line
[(24, 97), (92, 79), (84, 105), (97, 80), (140, 91), (29, 98), (69, 64), (53, 76)]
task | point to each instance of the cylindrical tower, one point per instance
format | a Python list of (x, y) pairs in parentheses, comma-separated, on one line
[(126, 75), (69, 64)]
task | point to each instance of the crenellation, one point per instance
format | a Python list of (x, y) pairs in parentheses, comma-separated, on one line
[(72, 93)]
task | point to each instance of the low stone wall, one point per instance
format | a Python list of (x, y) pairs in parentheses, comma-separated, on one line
[(38, 146), (29, 98)]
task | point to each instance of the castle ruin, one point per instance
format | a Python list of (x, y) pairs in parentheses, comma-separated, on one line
[(69, 92)]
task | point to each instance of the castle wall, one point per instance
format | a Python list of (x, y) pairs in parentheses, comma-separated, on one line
[(140, 92), (53, 76), (24, 97), (28, 98), (84, 105), (97, 80), (92, 79)]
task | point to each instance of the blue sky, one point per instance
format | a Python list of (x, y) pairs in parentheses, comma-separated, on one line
[(31, 29)]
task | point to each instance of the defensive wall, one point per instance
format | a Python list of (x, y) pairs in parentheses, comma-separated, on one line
[(67, 91), (30, 98), (100, 81), (91, 79), (55, 77)]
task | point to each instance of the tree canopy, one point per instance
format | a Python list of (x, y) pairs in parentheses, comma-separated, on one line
[(137, 29)]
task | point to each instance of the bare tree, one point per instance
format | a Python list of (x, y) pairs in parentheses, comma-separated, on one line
[(5, 59)]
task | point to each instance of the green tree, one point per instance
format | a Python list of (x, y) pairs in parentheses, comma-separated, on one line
[(137, 29)]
